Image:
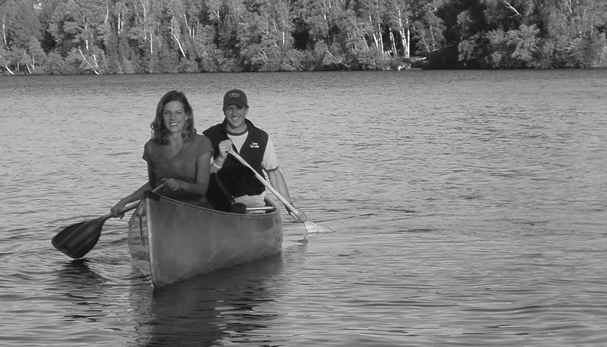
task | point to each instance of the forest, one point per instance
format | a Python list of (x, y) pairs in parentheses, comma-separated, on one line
[(172, 36)]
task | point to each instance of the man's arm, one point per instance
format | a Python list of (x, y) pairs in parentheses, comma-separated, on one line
[(277, 180)]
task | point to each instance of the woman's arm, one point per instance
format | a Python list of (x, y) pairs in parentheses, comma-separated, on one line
[(135, 196), (202, 178)]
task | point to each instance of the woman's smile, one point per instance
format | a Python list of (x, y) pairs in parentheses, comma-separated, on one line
[(174, 116)]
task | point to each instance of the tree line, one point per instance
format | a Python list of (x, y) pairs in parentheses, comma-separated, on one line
[(169, 36)]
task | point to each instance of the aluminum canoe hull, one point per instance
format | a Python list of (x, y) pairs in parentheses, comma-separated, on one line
[(171, 241)]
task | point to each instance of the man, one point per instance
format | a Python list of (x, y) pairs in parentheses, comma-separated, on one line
[(254, 145)]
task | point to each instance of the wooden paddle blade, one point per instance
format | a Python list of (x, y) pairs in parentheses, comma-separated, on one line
[(78, 239)]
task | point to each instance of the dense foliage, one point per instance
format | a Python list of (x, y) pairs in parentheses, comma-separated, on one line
[(157, 36)]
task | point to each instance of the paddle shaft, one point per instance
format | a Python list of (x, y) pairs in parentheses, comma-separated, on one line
[(125, 210), (132, 206), (268, 185)]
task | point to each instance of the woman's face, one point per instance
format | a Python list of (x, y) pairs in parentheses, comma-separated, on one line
[(174, 116)]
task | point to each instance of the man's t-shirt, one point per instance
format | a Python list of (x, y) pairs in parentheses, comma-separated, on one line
[(269, 161)]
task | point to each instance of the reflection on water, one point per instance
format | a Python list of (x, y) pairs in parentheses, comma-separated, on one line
[(206, 309), (77, 273)]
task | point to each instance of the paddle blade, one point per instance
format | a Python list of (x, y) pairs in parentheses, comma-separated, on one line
[(78, 239), (317, 228)]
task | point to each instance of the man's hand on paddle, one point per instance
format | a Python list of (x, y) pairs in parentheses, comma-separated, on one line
[(299, 216), (224, 148)]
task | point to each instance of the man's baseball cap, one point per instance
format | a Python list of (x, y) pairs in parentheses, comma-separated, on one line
[(235, 97)]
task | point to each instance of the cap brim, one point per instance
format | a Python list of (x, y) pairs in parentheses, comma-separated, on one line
[(237, 103)]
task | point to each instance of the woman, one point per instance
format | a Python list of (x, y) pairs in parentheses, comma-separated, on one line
[(177, 157)]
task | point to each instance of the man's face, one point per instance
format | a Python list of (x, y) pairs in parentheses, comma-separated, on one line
[(235, 116)]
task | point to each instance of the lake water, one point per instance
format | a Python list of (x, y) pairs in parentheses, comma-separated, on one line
[(469, 209)]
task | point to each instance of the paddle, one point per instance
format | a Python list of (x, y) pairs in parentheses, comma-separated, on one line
[(78, 239), (310, 226)]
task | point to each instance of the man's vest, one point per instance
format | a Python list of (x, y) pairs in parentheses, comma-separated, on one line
[(237, 178)]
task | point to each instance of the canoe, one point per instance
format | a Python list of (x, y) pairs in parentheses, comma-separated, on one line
[(170, 240)]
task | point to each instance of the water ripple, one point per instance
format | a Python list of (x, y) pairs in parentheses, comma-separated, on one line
[(468, 209)]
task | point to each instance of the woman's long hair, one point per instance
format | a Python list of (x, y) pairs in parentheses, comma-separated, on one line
[(159, 131)]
